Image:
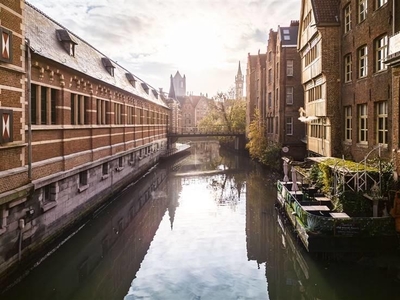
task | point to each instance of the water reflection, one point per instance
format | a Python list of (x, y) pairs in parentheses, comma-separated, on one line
[(204, 227)]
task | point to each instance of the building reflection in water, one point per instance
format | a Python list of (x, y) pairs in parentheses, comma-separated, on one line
[(290, 271), (105, 255)]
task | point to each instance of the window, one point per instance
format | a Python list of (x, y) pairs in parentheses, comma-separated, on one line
[(117, 113), (347, 123), (289, 95), (277, 71), (49, 196), (347, 18), (79, 105), (43, 105), (307, 20), (83, 178), (101, 111), (289, 67), (362, 123), (347, 68), (131, 115), (362, 62), (270, 125), (314, 93), (269, 100), (6, 45), (311, 55), (286, 37), (317, 129), (269, 55), (105, 170), (270, 76), (382, 122), (380, 3), (381, 48), (362, 10), (83, 181), (289, 126)]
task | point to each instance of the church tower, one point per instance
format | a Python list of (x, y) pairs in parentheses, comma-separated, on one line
[(178, 85), (239, 84)]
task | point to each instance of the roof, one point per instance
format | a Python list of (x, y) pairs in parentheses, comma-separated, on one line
[(288, 35), (44, 41), (326, 11)]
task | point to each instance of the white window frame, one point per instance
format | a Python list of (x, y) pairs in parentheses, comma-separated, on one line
[(382, 132), (289, 95), (362, 62), (289, 125), (347, 18), (362, 10), (348, 123), (348, 65), (380, 3), (289, 67), (363, 123), (381, 51)]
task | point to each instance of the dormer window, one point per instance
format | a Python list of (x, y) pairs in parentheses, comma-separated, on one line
[(5, 45), (108, 65), (131, 79), (155, 93), (67, 41), (145, 87)]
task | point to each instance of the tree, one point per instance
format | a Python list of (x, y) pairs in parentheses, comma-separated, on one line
[(260, 149), (226, 114), (257, 138)]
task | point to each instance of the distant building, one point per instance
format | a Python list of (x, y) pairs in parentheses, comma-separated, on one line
[(239, 79), (192, 108), (177, 86)]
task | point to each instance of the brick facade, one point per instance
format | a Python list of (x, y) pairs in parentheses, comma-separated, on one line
[(94, 128)]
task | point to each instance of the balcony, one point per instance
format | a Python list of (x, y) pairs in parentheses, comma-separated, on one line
[(393, 58)]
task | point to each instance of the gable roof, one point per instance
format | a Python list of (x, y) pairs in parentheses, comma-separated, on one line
[(44, 41), (326, 12)]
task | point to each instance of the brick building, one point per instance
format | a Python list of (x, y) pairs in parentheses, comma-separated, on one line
[(274, 88), (365, 78), (393, 60), (284, 91), (319, 46), (78, 127)]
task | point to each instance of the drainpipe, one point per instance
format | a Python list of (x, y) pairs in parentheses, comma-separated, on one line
[(28, 71)]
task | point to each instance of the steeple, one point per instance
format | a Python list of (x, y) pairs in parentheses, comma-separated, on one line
[(239, 79), (171, 93)]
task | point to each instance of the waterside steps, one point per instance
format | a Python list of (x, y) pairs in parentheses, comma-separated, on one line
[(323, 229)]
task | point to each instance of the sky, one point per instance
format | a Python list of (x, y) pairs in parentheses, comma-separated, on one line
[(204, 39)]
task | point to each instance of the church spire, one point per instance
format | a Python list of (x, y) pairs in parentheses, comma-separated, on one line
[(239, 79), (171, 93)]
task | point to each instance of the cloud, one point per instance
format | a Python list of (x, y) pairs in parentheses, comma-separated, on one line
[(203, 39)]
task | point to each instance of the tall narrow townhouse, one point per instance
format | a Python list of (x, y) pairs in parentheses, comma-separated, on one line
[(393, 60), (319, 45), (289, 93), (365, 78), (251, 89), (271, 109)]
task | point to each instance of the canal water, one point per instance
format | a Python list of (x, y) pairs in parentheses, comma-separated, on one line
[(202, 227)]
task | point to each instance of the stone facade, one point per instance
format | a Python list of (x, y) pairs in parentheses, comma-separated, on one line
[(239, 80), (93, 128)]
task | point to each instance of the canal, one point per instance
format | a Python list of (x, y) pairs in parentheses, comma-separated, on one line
[(202, 227)]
